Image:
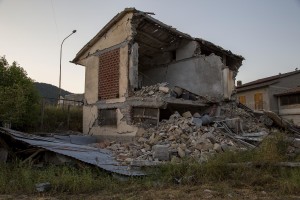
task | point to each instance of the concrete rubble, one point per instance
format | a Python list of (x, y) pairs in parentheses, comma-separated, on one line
[(161, 90), (195, 135), (224, 127)]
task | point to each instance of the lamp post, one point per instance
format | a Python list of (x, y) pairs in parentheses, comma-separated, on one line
[(59, 95)]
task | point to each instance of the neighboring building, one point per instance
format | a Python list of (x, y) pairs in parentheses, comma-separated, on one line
[(74, 99), (262, 93), (135, 50), (71, 99), (289, 104)]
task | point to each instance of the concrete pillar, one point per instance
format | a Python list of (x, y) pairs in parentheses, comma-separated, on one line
[(133, 66)]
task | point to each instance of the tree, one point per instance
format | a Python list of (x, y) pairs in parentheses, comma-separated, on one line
[(19, 99)]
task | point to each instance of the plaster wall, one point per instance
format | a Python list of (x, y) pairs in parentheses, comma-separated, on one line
[(290, 112), (119, 33), (202, 75), (186, 50), (228, 82), (249, 95)]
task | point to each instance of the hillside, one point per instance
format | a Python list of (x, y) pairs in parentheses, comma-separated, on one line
[(49, 91)]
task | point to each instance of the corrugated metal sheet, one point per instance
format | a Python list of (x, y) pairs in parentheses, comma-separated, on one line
[(102, 158)]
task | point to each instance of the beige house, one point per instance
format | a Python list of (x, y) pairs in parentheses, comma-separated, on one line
[(289, 105), (135, 50), (270, 93)]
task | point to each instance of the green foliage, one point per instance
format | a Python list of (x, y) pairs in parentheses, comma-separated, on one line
[(252, 168), (18, 97), (18, 178)]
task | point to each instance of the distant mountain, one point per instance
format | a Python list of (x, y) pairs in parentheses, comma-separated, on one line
[(49, 91)]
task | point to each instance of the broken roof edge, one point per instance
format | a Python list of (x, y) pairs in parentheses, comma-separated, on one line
[(219, 48), (256, 86), (165, 26), (102, 32)]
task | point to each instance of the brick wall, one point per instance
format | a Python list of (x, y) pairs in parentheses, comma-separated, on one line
[(108, 83)]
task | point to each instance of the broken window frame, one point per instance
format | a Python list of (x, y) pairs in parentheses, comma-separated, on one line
[(146, 114), (107, 117)]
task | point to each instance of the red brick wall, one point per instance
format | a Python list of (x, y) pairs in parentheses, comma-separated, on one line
[(108, 83)]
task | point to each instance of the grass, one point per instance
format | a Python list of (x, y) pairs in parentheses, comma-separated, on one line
[(17, 178)]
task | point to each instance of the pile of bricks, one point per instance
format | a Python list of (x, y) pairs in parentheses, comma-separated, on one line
[(180, 136)]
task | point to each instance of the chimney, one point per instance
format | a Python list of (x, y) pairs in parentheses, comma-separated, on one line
[(239, 83)]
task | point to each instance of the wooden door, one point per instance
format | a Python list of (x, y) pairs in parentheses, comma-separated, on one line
[(242, 99), (258, 100)]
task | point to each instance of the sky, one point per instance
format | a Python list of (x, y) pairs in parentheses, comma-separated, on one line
[(265, 32)]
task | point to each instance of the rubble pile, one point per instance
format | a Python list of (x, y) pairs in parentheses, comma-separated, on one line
[(183, 136), (249, 122), (161, 90), (157, 90)]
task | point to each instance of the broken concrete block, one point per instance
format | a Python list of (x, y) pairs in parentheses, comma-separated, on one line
[(204, 146), (187, 114), (224, 147), (142, 140), (197, 115), (161, 152), (128, 160), (147, 147), (144, 163), (164, 89), (197, 122), (180, 152), (178, 91), (206, 119), (233, 124), (211, 137), (217, 148), (151, 92), (175, 116), (171, 138), (140, 132)]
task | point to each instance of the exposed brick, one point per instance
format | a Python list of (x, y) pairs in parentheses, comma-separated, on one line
[(108, 83)]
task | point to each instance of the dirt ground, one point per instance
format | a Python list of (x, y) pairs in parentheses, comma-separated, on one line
[(178, 192)]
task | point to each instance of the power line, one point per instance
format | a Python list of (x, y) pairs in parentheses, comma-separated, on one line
[(53, 14)]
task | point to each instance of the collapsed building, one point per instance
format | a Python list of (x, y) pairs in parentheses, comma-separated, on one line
[(140, 70)]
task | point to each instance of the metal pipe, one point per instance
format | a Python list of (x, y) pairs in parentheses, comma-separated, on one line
[(59, 94)]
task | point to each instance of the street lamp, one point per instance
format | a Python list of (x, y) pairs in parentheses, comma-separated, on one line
[(59, 95)]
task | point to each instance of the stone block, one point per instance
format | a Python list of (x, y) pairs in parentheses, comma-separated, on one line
[(180, 152), (161, 152), (164, 89), (187, 114)]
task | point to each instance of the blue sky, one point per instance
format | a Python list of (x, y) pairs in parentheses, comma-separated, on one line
[(265, 32)]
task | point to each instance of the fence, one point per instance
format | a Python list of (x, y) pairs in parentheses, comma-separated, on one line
[(59, 115)]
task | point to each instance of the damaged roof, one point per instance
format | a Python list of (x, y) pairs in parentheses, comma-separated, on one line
[(164, 39)]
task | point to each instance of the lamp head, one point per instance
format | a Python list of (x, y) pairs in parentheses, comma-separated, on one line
[(74, 31)]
